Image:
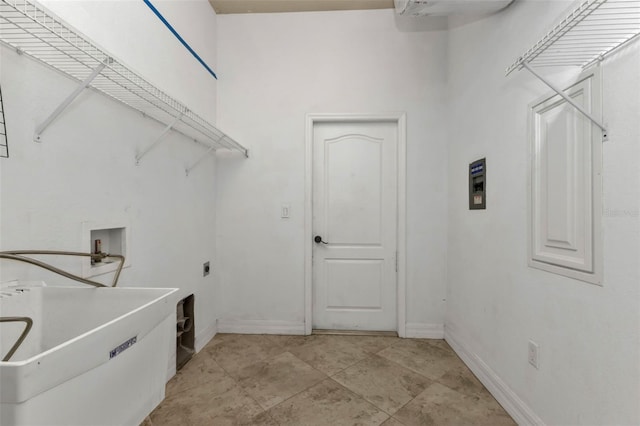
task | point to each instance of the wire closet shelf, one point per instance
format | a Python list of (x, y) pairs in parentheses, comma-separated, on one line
[(4, 143), (590, 32), (29, 29)]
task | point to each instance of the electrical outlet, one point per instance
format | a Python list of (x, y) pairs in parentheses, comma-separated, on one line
[(205, 269), (533, 353)]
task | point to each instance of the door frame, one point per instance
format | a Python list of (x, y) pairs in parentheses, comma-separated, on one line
[(400, 119)]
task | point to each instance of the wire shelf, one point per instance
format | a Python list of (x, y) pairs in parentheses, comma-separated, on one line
[(588, 34), (4, 143), (31, 30)]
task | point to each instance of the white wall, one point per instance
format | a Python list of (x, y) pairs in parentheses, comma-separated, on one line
[(132, 33), (588, 335), (276, 68), (84, 170)]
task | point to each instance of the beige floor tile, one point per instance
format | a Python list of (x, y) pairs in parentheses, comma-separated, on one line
[(271, 382), (198, 406), (289, 342), (383, 383), (392, 422), (440, 343), (233, 352), (460, 378), (179, 411), (327, 403), (169, 414), (370, 344), (329, 354), (442, 406), (263, 419), (201, 370), (233, 407), (421, 357)]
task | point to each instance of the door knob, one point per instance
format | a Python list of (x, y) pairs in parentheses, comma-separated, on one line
[(318, 239)]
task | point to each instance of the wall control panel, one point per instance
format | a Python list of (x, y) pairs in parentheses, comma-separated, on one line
[(478, 185)]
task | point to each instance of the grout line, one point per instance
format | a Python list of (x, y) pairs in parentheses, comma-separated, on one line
[(362, 398), (266, 412), (431, 382), (326, 376), (236, 382), (298, 393), (248, 395)]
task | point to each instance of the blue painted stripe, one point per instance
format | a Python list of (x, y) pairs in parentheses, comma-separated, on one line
[(175, 33)]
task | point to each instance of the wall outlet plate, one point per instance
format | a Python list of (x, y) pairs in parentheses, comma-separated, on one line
[(205, 269)]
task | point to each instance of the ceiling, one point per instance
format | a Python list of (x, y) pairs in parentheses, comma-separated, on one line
[(275, 6)]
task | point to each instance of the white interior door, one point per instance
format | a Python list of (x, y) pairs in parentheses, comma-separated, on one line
[(355, 215)]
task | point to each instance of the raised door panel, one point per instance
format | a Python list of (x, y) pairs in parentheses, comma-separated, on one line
[(353, 197), (354, 284), (565, 156)]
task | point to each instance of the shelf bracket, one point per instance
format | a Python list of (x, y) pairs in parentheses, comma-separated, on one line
[(159, 138), (199, 160), (567, 98), (43, 126)]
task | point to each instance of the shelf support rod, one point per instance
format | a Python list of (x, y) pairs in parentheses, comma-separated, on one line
[(567, 98), (159, 138), (199, 160), (43, 126)]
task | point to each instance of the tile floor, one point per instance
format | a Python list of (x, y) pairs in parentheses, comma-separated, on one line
[(326, 380)]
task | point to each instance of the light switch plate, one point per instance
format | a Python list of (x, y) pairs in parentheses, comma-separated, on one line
[(285, 211)]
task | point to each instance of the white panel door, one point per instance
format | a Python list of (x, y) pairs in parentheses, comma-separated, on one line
[(355, 214)]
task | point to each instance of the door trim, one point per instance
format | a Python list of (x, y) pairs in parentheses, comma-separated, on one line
[(400, 118)]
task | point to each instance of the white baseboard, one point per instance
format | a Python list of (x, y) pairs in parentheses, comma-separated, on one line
[(205, 336), (418, 330), (260, 327), (516, 407)]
